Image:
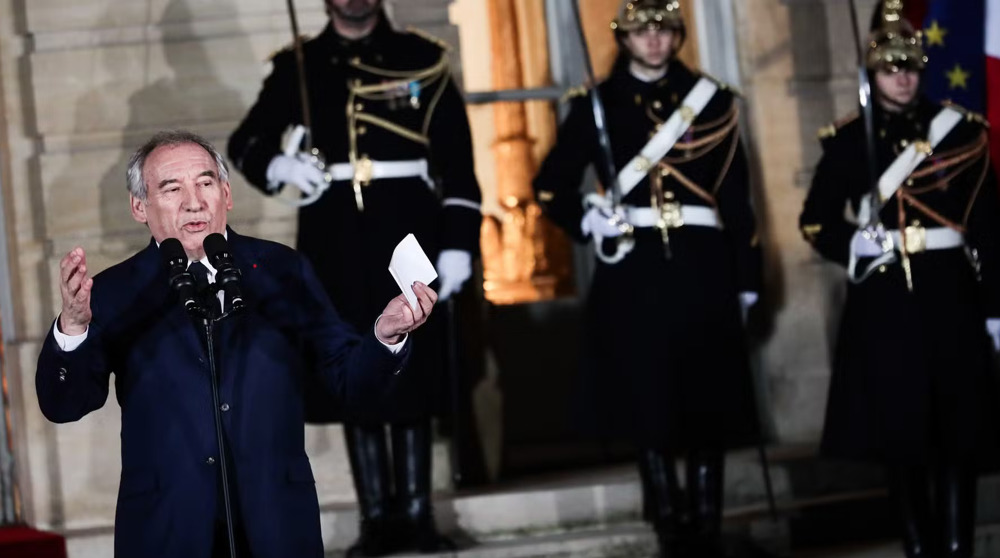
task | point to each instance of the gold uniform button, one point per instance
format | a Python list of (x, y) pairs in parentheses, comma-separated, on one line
[(362, 130), (657, 105), (359, 107)]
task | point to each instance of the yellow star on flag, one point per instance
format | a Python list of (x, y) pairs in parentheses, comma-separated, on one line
[(935, 34), (957, 77)]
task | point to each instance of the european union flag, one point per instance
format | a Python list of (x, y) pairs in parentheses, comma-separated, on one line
[(954, 36)]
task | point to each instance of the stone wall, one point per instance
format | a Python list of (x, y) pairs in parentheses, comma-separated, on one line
[(798, 67)]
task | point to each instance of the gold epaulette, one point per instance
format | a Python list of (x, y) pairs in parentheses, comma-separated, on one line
[(830, 130), (574, 92), (289, 47), (429, 38), (970, 115), (721, 84)]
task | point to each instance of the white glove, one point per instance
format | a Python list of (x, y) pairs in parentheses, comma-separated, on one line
[(993, 328), (864, 247), (599, 221), (454, 268), (747, 300), (285, 169)]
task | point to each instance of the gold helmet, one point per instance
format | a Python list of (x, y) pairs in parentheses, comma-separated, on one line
[(893, 45), (648, 14)]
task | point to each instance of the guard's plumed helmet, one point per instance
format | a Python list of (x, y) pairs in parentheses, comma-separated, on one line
[(635, 15), (893, 45)]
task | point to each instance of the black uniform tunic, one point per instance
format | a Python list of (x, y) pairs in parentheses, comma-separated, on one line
[(912, 376), (666, 361), (351, 249)]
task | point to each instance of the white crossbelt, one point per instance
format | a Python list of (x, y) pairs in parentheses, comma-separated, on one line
[(938, 238), (385, 169), (915, 153), (669, 133), (696, 215)]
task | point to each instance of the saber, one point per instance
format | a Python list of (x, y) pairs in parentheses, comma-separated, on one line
[(603, 139), (873, 221), (300, 67)]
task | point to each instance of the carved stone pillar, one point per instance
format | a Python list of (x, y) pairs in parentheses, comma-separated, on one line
[(525, 258)]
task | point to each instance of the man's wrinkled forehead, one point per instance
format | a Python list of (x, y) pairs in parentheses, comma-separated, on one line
[(170, 163)]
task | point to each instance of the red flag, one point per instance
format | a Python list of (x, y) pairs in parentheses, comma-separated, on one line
[(993, 77), (915, 11)]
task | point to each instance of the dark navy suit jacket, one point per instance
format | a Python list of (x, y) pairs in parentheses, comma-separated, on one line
[(167, 500)]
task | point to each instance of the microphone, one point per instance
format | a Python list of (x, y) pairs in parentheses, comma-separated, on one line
[(226, 273), (180, 279)]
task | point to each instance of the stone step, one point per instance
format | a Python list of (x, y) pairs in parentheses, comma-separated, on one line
[(811, 496), (611, 496), (987, 546), (627, 540)]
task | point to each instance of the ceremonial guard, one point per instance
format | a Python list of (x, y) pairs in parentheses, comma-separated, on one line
[(912, 386), (392, 155), (666, 364)]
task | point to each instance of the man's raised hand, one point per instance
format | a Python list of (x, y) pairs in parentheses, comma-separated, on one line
[(74, 286)]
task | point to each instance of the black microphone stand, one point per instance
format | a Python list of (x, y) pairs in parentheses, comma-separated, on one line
[(208, 319)]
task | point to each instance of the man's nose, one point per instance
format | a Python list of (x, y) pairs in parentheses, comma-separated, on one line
[(193, 200)]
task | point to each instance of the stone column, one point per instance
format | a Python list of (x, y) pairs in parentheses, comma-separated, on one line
[(525, 258)]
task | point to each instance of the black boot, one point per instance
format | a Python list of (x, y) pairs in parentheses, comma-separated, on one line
[(663, 505), (411, 450), (648, 514), (368, 452), (705, 472), (956, 491), (912, 489)]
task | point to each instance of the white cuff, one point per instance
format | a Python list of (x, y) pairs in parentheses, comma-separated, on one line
[(748, 298), (394, 348), (68, 342)]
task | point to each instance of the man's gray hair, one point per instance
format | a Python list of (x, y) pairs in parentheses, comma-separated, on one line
[(133, 174)]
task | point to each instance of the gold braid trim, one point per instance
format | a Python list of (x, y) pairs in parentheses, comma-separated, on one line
[(669, 170), (712, 140), (408, 75), (446, 74), (944, 182), (393, 127), (975, 193), (961, 154), (934, 215), (725, 168), (722, 120)]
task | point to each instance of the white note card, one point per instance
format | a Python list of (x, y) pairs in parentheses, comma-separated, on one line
[(409, 263)]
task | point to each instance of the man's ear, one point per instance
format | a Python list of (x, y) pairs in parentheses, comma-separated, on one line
[(138, 208)]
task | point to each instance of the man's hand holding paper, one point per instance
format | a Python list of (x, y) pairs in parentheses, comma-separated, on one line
[(412, 271)]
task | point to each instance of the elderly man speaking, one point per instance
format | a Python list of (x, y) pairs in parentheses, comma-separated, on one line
[(128, 321)]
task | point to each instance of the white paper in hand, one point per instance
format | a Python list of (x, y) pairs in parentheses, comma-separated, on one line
[(409, 263)]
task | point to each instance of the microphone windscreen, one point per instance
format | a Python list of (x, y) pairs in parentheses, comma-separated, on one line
[(171, 250), (215, 244)]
